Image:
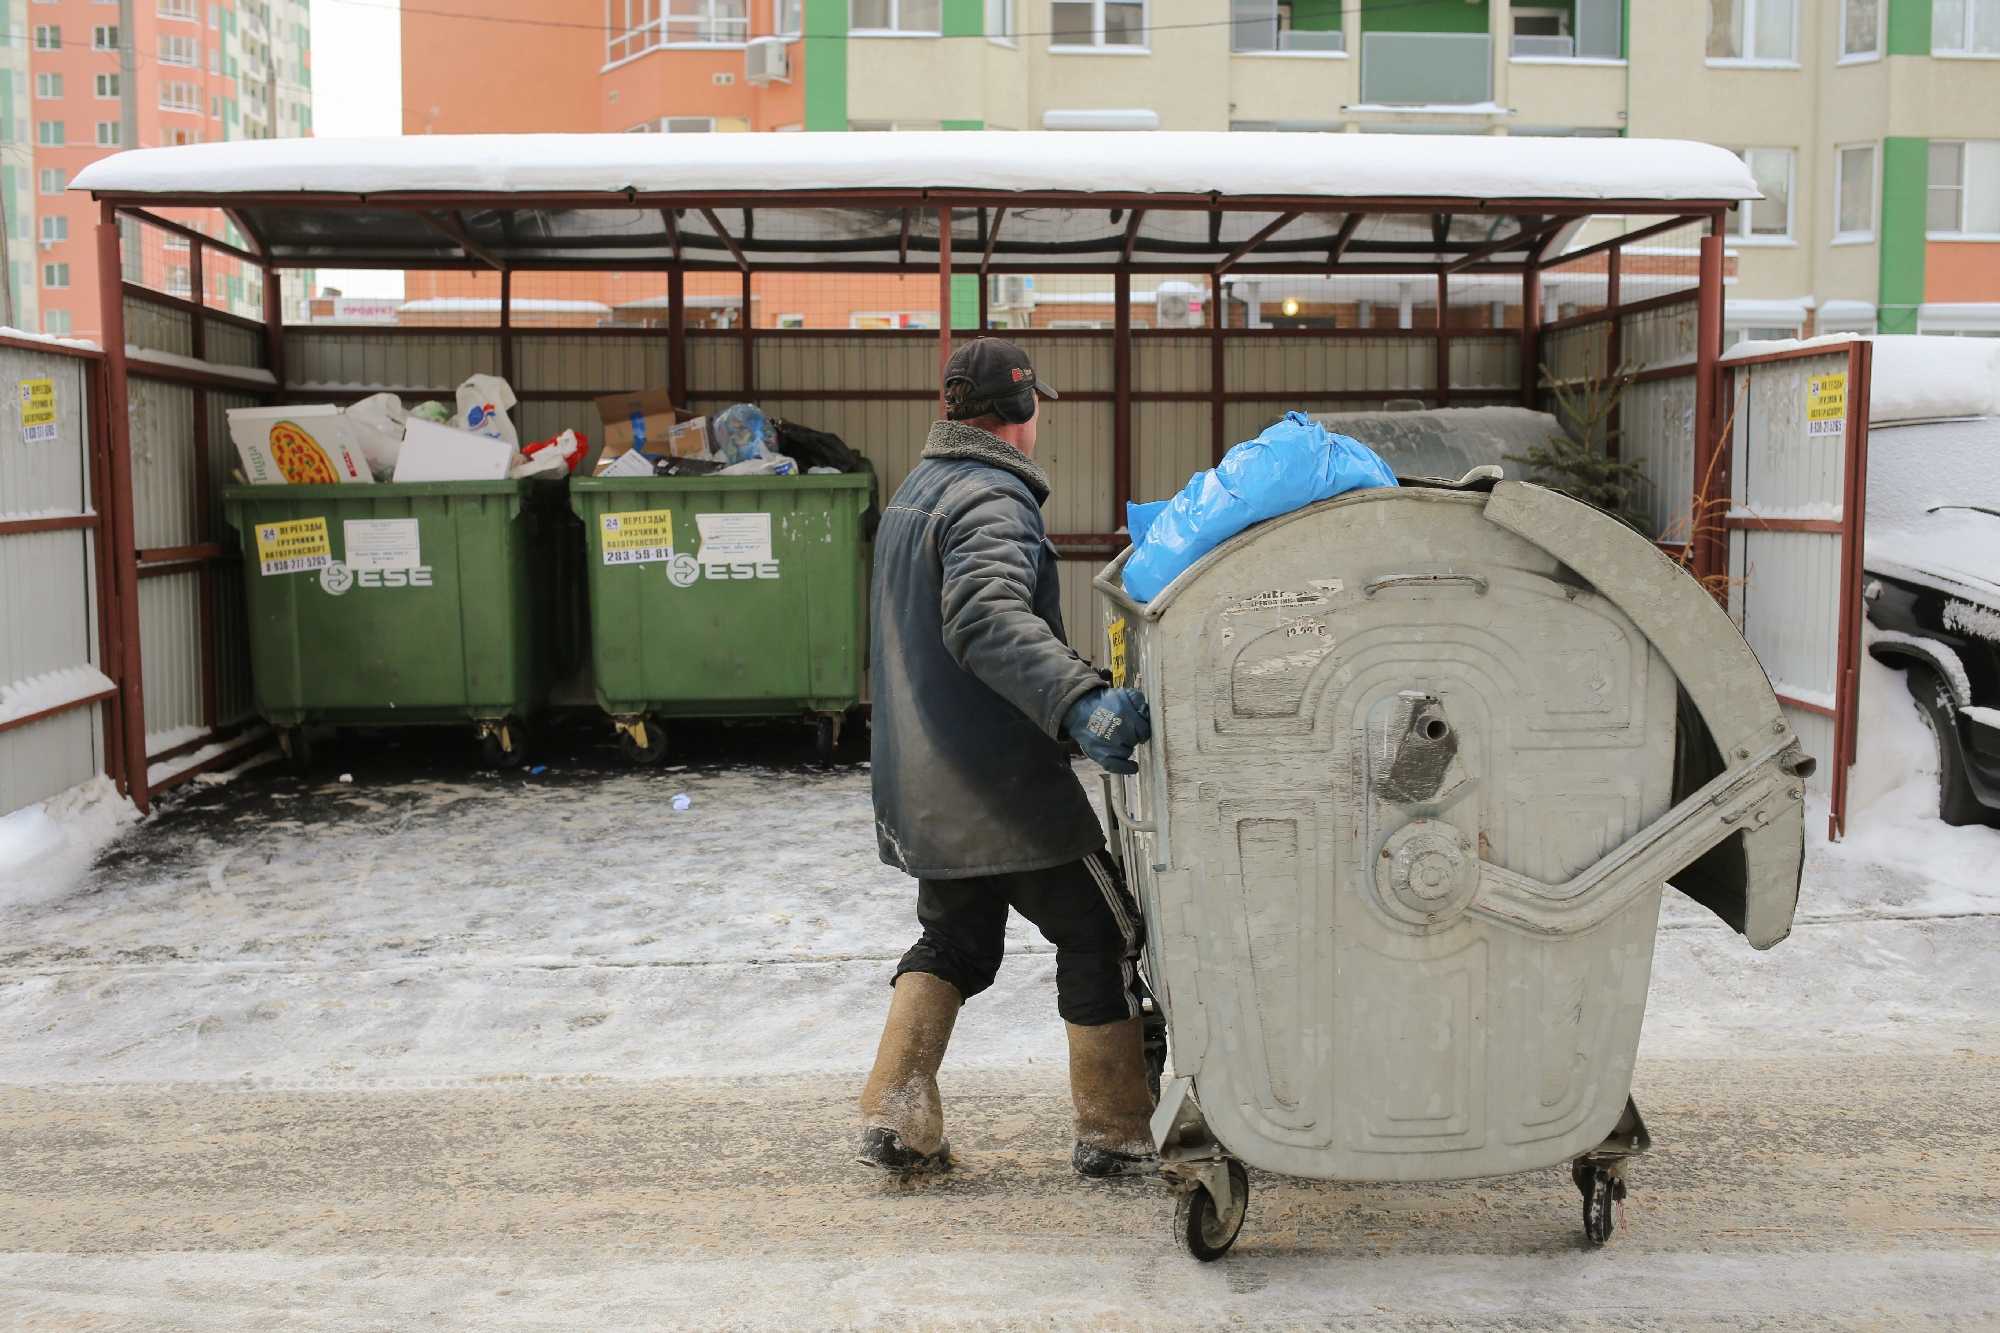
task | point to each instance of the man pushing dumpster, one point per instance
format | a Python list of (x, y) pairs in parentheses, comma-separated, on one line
[(974, 687)]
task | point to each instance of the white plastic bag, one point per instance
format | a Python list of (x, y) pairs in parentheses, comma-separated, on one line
[(770, 465), (483, 401), (378, 428)]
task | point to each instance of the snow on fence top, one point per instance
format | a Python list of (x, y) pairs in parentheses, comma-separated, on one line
[(1302, 165)]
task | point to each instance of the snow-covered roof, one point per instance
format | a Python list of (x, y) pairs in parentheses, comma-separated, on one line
[(802, 200)]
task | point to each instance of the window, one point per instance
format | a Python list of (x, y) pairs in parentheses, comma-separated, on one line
[(1754, 31), (1965, 28), (1769, 218), (110, 134), (1965, 189), (55, 321), (1860, 29), (180, 97), (1542, 32), (55, 277), (1097, 23), (54, 229), (788, 18), (1854, 194), (107, 85), (215, 60), (48, 85), (179, 9), (999, 24), (694, 125), (103, 38), (1266, 25), (49, 133), (894, 16), (647, 24), (180, 51), (53, 181), (48, 37), (215, 16), (215, 107)]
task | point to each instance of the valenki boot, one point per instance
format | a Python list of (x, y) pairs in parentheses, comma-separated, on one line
[(902, 1118), (1114, 1105)]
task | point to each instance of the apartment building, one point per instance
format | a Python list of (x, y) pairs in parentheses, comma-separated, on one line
[(1874, 125), (78, 87)]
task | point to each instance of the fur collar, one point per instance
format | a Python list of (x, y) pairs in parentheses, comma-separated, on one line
[(955, 439)]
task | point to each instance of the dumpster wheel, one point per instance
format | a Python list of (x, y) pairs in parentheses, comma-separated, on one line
[(642, 739), (1205, 1229), (297, 748), (503, 741), (826, 738), (1603, 1188)]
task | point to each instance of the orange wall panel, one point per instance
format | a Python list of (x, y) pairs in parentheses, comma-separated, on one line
[(502, 66), (1961, 271)]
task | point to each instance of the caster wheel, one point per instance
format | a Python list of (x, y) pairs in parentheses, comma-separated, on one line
[(826, 736), (1601, 1191), (1206, 1231), (1155, 1045), (655, 747), (297, 747), (504, 746)]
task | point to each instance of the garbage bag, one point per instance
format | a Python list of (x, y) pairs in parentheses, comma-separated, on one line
[(1291, 465), (815, 448), (742, 434), (378, 423), (483, 401)]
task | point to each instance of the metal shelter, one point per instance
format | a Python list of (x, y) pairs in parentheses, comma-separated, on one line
[(1153, 404)]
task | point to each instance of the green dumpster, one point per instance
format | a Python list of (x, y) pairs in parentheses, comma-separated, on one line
[(418, 602), (726, 597)]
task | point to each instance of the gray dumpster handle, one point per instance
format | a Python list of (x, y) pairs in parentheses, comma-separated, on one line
[(1750, 796), (1374, 586)]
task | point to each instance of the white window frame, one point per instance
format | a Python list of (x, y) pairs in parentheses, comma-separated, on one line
[(1965, 37), (788, 18), (1283, 48), (48, 36), (1750, 10), (104, 87), (647, 24), (180, 52), (54, 230), (184, 11), (104, 37), (46, 176), (1000, 24), (1740, 233), (51, 272), (180, 98), (1840, 152), (1964, 188), (1098, 46), (56, 321), (895, 28), (1848, 57), (48, 87), (51, 134), (109, 133)]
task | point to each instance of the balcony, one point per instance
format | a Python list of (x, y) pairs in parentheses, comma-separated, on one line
[(1426, 69), (1542, 48), (1259, 26)]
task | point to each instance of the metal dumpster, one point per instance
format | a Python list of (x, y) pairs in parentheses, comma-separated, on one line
[(727, 597), (1422, 761), (401, 603)]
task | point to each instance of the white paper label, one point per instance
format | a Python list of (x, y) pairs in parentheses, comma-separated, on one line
[(381, 543), (730, 539)]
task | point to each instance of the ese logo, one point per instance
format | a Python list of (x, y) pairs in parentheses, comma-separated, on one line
[(337, 578)]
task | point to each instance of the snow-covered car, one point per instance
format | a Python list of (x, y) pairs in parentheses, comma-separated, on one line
[(1932, 555)]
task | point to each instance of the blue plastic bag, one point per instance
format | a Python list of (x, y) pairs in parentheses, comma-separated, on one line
[(1289, 466), (742, 433)]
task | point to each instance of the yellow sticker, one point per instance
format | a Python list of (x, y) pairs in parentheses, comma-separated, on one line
[(1117, 636), (38, 411), (634, 539), (1826, 405), (288, 548)]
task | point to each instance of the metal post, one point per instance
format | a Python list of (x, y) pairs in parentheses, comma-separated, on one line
[(1614, 347), (1711, 480), (944, 300), (1853, 513), (507, 325), (118, 547), (274, 325), (1121, 396), (1442, 364), (1531, 336), (985, 291), (677, 346), (743, 322), (1218, 441), (204, 525)]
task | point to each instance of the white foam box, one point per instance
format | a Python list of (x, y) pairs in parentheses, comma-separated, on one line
[(307, 444), (439, 453)]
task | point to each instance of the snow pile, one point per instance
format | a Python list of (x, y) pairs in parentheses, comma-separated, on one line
[(45, 848), (51, 689), (1914, 378), (1753, 347), (80, 344)]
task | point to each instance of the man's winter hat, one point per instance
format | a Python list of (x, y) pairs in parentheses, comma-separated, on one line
[(993, 370)]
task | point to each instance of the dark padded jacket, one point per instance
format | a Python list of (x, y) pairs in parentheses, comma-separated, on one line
[(972, 676)]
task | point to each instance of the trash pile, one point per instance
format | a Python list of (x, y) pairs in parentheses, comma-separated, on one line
[(378, 440), (1294, 463), (646, 435)]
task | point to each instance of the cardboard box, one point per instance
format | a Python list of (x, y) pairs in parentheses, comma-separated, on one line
[(438, 453), (310, 444), (648, 420)]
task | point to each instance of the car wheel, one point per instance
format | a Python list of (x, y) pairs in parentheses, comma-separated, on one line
[(1956, 802)]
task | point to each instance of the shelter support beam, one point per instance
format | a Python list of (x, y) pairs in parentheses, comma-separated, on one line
[(1531, 338), (119, 549), (452, 228), (677, 359), (1218, 319), (1121, 396), (944, 302), (735, 250), (1711, 464)]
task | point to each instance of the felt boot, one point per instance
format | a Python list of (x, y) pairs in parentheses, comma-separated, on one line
[(902, 1118), (1114, 1105)]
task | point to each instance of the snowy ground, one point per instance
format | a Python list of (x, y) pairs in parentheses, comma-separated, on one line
[(437, 1048)]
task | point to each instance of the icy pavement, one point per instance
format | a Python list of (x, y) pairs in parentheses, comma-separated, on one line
[(340, 1054)]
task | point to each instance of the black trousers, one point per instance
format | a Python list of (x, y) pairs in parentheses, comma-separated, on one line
[(1082, 908)]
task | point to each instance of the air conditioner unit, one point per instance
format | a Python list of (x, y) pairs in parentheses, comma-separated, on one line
[(1178, 305), (765, 59), (1011, 289)]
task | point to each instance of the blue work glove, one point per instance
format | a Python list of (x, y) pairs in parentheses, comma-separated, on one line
[(1107, 723)]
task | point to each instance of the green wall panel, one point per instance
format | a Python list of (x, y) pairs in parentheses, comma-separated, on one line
[(826, 64), (1909, 27), (1905, 183)]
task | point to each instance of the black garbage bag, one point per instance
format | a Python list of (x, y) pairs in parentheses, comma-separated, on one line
[(811, 448)]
